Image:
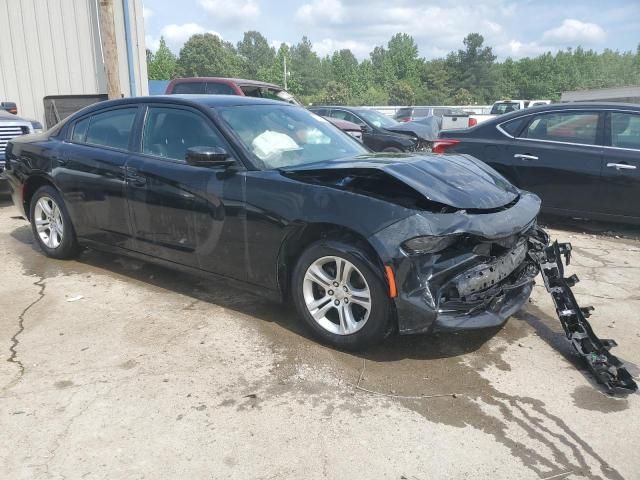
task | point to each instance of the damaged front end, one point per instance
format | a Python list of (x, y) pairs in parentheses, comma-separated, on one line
[(475, 273)]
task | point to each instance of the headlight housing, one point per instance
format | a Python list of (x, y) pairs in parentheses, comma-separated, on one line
[(36, 126), (428, 244)]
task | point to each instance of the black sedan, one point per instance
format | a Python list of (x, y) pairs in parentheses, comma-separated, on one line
[(582, 159), (379, 132), (275, 199)]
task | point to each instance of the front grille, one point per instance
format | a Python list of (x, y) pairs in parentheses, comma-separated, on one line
[(7, 132)]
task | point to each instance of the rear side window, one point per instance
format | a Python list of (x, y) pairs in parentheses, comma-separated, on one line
[(112, 128), (169, 132), (572, 127), (625, 130), (189, 87), (80, 130), (219, 89), (320, 111)]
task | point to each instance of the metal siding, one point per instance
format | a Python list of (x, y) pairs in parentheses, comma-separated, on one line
[(52, 47)]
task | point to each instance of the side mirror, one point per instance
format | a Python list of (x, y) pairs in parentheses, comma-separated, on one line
[(208, 157)]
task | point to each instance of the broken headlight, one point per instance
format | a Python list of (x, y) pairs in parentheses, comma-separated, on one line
[(429, 244)]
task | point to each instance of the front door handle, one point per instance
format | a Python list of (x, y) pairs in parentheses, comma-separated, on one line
[(621, 166), (525, 157), (135, 178)]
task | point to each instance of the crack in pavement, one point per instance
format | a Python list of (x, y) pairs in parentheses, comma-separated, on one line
[(13, 349)]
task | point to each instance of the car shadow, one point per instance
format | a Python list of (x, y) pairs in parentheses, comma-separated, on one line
[(592, 227)]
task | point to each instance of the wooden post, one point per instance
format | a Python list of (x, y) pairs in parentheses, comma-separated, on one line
[(109, 48)]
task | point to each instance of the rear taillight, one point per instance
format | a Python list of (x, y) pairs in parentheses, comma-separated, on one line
[(444, 144), (404, 119), (472, 122)]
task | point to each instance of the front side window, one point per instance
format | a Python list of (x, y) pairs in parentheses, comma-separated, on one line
[(189, 87), (169, 132), (112, 128), (377, 119), (625, 130), (282, 135), (571, 127)]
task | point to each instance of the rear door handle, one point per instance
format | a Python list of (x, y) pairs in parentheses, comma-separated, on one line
[(525, 157), (621, 166)]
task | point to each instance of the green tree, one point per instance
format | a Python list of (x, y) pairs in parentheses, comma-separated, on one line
[(207, 56), (402, 94), (256, 54), (162, 64), (335, 93), (474, 68), (305, 67)]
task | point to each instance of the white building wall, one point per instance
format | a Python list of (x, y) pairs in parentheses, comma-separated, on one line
[(52, 47)]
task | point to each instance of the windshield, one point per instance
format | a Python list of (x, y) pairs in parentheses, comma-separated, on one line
[(377, 119), (504, 107), (285, 136)]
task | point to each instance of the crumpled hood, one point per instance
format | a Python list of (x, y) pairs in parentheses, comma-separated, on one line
[(428, 130), (459, 181)]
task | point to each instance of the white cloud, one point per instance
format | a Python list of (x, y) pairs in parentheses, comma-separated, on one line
[(175, 35), (574, 32), (178, 34), (317, 11), (238, 11), (147, 13), (518, 49), (327, 46), (152, 43)]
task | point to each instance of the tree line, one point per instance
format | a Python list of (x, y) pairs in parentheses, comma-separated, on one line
[(395, 74)]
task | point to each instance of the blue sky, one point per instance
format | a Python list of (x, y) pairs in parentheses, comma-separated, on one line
[(513, 28)]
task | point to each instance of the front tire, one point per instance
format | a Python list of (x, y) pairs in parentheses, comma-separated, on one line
[(339, 296), (51, 225)]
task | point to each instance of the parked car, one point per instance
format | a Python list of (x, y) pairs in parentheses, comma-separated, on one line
[(228, 86), (12, 126), (268, 196), (379, 132), (582, 159), (408, 114)]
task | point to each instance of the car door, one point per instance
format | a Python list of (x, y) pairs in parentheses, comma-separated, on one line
[(89, 171), (621, 172), (558, 155), (187, 214)]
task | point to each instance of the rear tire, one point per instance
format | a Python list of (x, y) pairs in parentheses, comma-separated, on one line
[(51, 224), (340, 297)]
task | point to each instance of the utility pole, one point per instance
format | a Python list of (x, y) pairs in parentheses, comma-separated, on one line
[(285, 71), (109, 48)]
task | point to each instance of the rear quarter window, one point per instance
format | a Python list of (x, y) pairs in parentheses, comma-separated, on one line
[(514, 127), (189, 87)]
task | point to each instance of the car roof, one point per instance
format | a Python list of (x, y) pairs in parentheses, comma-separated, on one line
[(239, 81), (568, 106), (210, 101)]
